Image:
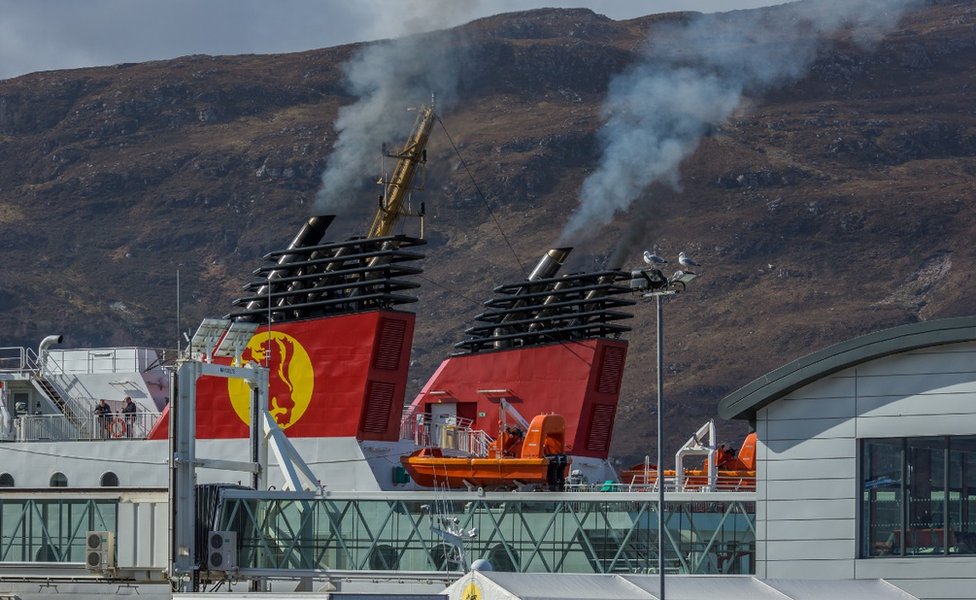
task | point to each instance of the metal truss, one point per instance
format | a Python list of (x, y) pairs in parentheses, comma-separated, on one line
[(46, 529), (530, 532)]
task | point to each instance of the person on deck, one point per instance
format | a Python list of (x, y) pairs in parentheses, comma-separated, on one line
[(129, 413), (103, 415)]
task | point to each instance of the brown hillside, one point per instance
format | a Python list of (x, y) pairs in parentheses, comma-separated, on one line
[(828, 208)]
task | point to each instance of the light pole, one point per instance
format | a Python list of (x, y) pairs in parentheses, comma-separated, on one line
[(652, 283)]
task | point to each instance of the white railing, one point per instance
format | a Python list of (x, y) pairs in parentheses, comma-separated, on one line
[(48, 428), (695, 483), (13, 359), (451, 433)]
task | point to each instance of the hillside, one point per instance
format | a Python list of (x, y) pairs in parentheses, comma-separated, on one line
[(827, 207)]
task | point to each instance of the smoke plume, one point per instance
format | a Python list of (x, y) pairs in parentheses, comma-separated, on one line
[(388, 77), (692, 76)]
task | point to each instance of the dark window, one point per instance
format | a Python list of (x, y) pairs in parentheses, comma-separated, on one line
[(445, 558), (962, 494), (384, 558), (503, 558), (110, 479), (59, 480), (918, 496), (881, 506), (6, 480)]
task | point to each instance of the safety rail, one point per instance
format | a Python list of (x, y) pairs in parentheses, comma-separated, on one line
[(723, 483), (86, 361), (13, 359), (451, 433), (50, 428)]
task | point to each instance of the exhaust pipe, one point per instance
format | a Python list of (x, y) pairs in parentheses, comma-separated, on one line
[(47, 343), (546, 268), (310, 234), (550, 263)]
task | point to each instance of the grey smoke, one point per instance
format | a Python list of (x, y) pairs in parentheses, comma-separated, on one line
[(692, 76), (388, 78)]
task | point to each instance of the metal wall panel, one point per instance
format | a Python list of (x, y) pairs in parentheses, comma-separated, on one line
[(810, 509), (802, 530), (824, 489), (811, 549), (805, 429), (924, 404), (919, 425), (909, 385), (829, 468), (809, 569), (814, 449), (803, 408)]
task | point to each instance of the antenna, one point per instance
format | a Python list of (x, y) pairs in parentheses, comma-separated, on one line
[(178, 328), (267, 355)]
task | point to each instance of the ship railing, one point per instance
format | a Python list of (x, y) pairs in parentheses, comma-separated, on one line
[(736, 483), (13, 359), (408, 423), (51, 428), (450, 433), (72, 396)]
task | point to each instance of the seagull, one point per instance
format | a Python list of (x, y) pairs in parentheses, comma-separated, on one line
[(653, 259), (686, 261)]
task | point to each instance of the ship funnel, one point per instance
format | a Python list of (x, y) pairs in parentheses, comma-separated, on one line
[(546, 268), (311, 233), (550, 263)]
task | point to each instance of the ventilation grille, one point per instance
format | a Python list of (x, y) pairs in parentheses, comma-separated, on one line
[(379, 401), (389, 344), (601, 425), (611, 370)]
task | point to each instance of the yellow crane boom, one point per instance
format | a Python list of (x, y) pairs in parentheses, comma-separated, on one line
[(398, 186)]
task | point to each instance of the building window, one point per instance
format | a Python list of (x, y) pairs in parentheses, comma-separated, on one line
[(109, 479), (6, 480), (59, 480), (918, 496)]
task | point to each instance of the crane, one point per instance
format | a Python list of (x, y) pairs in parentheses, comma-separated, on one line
[(413, 154)]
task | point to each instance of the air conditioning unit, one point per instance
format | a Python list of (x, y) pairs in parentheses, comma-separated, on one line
[(222, 550), (99, 550)]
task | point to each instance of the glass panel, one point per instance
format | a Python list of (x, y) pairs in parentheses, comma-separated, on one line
[(881, 499), (962, 495), (926, 496), (591, 533), (51, 530)]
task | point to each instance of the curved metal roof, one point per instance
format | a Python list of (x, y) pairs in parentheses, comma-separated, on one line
[(744, 402)]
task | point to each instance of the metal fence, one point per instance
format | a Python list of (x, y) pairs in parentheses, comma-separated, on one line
[(47, 428)]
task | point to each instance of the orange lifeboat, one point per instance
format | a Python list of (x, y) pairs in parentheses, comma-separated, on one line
[(736, 470), (533, 458)]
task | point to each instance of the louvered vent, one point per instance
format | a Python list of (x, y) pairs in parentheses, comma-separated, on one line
[(611, 370), (601, 425), (379, 401), (389, 344)]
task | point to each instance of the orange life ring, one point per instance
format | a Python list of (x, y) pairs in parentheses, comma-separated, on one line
[(116, 428)]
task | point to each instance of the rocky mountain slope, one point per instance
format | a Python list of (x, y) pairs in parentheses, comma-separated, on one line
[(827, 207)]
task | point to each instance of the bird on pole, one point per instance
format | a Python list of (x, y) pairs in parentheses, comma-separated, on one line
[(653, 259), (686, 261)]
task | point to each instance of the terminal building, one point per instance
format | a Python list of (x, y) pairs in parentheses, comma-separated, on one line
[(866, 460)]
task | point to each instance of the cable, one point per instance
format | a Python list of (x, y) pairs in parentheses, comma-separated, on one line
[(451, 290), (482, 196)]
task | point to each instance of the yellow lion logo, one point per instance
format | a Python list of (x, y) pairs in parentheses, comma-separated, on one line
[(291, 378)]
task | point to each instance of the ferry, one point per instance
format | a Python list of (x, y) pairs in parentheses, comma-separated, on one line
[(278, 445)]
